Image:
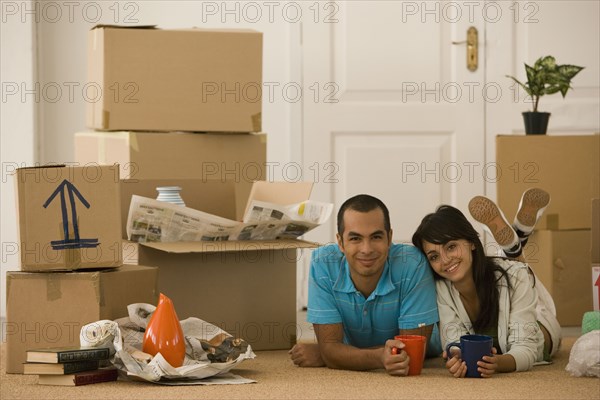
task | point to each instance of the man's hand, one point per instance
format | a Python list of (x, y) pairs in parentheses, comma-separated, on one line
[(395, 364), (306, 355)]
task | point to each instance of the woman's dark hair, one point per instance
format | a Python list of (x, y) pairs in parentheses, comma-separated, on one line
[(448, 223)]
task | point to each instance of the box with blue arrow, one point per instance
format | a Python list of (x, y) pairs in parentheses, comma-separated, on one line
[(69, 217)]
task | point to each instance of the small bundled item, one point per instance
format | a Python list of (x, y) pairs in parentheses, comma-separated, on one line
[(590, 322), (224, 348), (585, 355)]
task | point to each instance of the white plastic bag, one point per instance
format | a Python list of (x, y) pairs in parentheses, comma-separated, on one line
[(585, 355)]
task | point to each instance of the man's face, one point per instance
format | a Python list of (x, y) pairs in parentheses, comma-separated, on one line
[(365, 242)]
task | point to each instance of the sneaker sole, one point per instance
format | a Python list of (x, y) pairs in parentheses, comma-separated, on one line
[(487, 212), (532, 202)]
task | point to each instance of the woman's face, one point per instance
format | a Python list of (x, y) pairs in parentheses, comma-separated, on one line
[(452, 260)]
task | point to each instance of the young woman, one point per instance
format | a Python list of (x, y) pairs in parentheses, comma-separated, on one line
[(494, 296)]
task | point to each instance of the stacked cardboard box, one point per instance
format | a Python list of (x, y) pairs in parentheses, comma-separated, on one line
[(196, 80), (596, 253), (192, 118), (71, 264), (567, 167)]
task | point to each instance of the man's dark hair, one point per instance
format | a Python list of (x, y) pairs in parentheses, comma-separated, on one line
[(363, 203)]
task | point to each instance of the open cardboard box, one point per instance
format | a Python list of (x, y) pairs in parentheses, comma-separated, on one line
[(247, 288), (211, 196)]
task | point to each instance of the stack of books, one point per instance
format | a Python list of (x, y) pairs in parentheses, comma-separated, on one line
[(73, 366)]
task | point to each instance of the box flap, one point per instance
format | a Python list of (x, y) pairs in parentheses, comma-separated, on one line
[(228, 246), (283, 193)]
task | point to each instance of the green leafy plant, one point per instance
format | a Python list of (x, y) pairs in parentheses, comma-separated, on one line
[(547, 77)]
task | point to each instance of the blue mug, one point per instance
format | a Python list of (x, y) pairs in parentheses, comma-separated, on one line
[(472, 349)]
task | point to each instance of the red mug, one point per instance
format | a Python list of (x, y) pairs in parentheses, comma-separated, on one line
[(414, 345)]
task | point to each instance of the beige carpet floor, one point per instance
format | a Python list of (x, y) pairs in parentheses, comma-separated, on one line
[(278, 378)]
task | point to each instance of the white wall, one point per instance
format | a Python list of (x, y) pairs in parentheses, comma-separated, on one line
[(62, 60), (17, 126), (62, 29)]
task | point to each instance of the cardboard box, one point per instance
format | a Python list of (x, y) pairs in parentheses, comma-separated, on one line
[(567, 167), (596, 286), (69, 217), (596, 253), (175, 80), (596, 231), (561, 261), (208, 157), (219, 200), (247, 288), (49, 309), (213, 197)]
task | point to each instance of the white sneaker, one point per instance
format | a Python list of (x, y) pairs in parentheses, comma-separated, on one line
[(531, 207), (487, 213)]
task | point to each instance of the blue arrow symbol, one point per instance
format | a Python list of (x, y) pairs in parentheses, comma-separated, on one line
[(76, 242)]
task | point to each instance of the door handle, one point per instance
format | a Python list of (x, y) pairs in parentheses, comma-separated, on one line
[(472, 48)]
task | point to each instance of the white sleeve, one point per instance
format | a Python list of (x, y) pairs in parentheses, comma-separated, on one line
[(452, 326), (524, 332)]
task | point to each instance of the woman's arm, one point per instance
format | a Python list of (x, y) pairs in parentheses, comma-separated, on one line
[(524, 336)]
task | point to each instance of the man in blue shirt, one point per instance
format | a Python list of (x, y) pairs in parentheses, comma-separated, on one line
[(364, 291)]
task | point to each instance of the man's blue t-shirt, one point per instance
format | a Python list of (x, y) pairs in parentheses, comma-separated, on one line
[(405, 297)]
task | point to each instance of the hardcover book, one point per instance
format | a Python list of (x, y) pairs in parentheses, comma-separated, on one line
[(80, 378), (60, 368), (67, 354)]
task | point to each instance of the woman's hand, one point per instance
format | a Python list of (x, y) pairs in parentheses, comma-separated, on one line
[(456, 366), (489, 365)]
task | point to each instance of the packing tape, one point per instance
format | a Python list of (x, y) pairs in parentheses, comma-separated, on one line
[(133, 142), (552, 222), (54, 281), (105, 119), (9, 278), (53, 291), (560, 266), (257, 122), (98, 288)]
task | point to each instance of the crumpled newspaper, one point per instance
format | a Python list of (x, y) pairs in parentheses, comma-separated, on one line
[(584, 359), (210, 351)]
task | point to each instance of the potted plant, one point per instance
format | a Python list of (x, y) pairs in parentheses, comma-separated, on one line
[(545, 77)]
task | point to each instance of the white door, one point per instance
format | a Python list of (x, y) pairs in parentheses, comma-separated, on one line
[(390, 108)]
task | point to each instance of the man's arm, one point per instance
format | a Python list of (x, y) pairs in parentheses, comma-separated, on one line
[(337, 355)]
